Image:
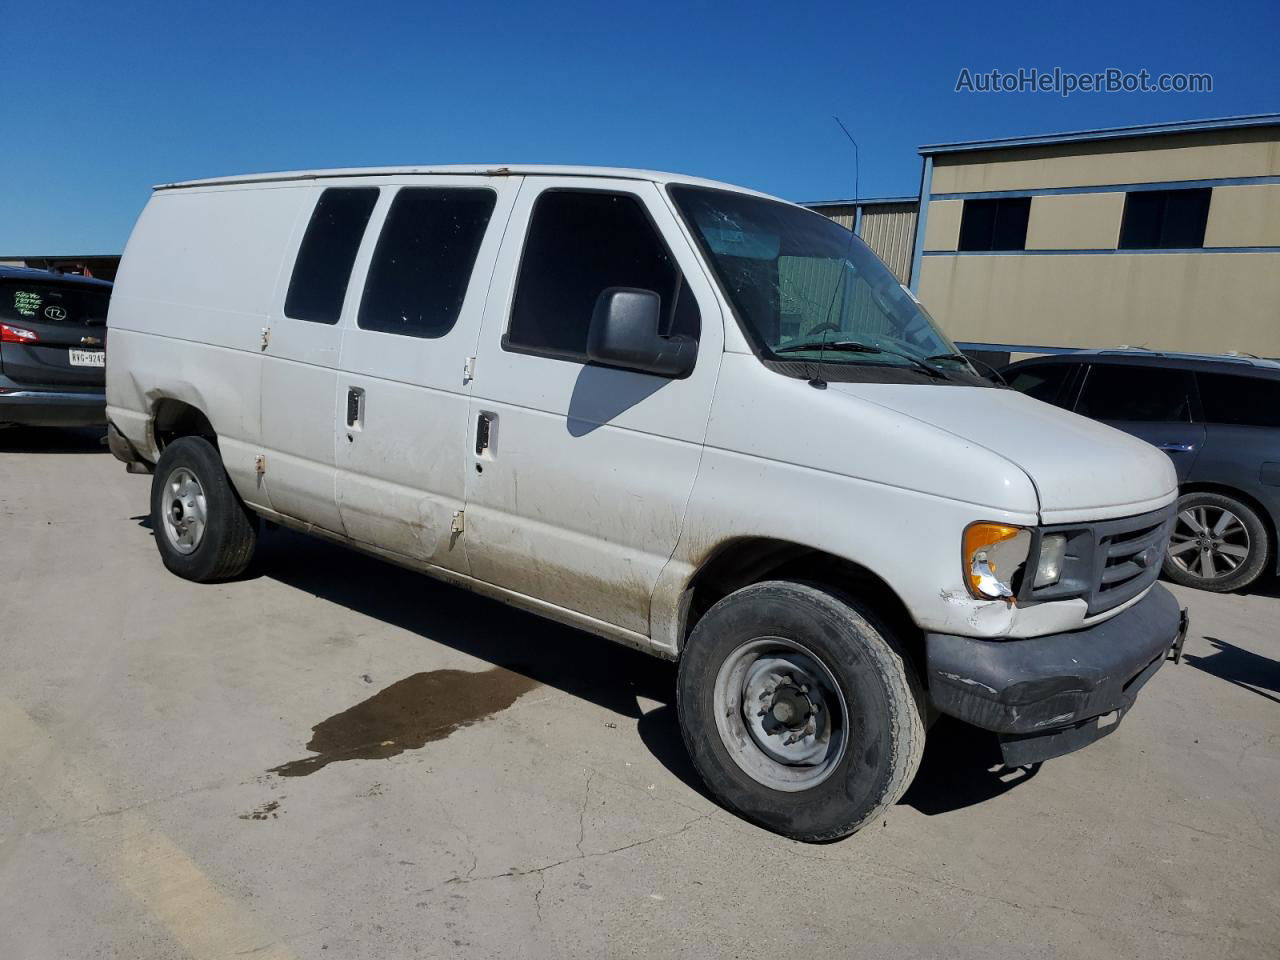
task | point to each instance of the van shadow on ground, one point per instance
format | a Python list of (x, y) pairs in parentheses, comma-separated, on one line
[(957, 767), (1243, 668)]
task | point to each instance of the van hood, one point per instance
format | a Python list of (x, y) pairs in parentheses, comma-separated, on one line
[(1081, 469)]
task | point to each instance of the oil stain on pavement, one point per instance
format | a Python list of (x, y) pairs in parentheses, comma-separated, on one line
[(409, 714)]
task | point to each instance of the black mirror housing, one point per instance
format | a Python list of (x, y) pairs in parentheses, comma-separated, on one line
[(624, 333)]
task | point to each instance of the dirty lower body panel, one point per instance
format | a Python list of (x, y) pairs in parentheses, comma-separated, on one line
[(1047, 696)]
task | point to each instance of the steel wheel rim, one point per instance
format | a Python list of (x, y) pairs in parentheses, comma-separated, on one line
[(1209, 542), (780, 714), (185, 511)]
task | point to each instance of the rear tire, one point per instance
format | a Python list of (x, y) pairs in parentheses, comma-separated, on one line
[(1218, 544), (772, 653), (203, 530)]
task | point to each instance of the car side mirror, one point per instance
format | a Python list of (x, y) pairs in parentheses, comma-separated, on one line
[(624, 333)]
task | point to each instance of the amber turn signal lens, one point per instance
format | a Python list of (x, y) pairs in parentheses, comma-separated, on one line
[(992, 554)]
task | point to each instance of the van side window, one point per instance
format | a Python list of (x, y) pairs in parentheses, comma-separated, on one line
[(579, 244), (323, 267), (1151, 394), (422, 265)]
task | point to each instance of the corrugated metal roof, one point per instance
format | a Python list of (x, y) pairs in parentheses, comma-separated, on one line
[(1109, 133)]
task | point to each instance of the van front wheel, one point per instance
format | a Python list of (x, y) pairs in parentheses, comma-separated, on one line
[(202, 529), (800, 710)]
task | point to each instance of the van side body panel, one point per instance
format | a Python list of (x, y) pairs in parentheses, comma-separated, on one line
[(400, 468), (889, 494), (580, 496), (191, 299)]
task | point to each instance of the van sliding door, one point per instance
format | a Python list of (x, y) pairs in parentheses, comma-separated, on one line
[(404, 384), (300, 354)]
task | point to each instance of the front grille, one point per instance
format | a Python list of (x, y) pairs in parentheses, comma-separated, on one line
[(1129, 555), (1107, 563)]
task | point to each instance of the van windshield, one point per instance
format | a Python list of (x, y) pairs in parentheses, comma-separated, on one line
[(803, 292)]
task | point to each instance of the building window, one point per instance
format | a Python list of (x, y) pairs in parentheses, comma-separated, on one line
[(422, 265), (579, 244), (323, 267), (1165, 219), (995, 224)]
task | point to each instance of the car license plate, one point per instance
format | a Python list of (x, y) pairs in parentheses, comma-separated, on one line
[(88, 358)]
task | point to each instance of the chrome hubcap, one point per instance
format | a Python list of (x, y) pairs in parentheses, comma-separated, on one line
[(1209, 542), (185, 511), (780, 714)]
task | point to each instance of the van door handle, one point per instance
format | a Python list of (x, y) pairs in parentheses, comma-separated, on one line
[(355, 406), (484, 428), (1176, 446)]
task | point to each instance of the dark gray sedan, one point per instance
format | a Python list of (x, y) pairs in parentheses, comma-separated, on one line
[(53, 333), (1218, 418)]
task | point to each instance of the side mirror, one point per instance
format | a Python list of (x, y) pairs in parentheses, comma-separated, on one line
[(624, 333)]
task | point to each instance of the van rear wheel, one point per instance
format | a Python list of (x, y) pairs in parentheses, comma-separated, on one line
[(203, 530), (799, 710)]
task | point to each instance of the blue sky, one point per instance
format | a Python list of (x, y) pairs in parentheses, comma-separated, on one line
[(99, 101)]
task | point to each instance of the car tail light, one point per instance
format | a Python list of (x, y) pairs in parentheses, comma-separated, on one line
[(10, 334)]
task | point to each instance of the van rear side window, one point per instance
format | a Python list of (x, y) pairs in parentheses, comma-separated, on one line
[(323, 267), (422, 265)]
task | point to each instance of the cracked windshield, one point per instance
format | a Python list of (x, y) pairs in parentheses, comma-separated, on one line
[(804, 291)]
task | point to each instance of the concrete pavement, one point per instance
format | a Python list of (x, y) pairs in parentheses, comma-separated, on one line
[(337, 758)]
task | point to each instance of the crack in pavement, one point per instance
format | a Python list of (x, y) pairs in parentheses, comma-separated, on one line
[(582, 812), (538, 871)]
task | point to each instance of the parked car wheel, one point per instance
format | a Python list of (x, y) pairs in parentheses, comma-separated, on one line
[(1218, 543), (800, 710), (203, 530)]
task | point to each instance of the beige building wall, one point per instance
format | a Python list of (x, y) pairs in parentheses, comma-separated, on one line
[(1199, 302), (1244, 216), (1075, 221), (1249, 152), (942, 226), (1212, 301)]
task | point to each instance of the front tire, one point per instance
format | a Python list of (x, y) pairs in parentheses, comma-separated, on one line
[(1218, 543), (203, 530), (800, 710)]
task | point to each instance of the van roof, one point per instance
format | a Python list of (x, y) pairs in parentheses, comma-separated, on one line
[(465, 169)]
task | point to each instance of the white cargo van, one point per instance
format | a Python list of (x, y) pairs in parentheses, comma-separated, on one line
[(680, 415)]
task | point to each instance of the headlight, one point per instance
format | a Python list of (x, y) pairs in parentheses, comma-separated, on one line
[(993, 555), (1053, 548)]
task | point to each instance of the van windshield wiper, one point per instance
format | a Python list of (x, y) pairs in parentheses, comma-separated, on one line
[(857, 346), (969, 362)]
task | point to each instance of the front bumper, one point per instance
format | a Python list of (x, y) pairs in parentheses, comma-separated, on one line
[(51, 407), (1047, 696)]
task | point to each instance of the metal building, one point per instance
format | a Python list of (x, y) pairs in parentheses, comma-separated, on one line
[(886, 224), (1165, 236)]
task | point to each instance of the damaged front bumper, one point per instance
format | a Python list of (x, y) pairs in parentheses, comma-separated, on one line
[(1047, 696)]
